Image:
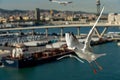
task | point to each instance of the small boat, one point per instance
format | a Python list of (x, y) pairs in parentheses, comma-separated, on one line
[(35, 58)]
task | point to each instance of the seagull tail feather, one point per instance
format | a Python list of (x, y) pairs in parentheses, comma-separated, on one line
[(99, 55)]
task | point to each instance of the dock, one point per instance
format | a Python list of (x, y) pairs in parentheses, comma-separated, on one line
[(78, 26)]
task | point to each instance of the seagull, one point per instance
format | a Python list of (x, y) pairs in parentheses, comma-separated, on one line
[(61, 2), (84, 51)]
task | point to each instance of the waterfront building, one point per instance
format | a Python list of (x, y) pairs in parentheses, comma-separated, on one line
[(37, 14), (3, 20), (117, 18), (11, 18), (114, 18), (69, 18), (26, 18), (17, 17), (111, 18), (47, 18)]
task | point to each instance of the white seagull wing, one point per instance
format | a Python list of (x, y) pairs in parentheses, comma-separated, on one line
[(89, 36), (72, 41)]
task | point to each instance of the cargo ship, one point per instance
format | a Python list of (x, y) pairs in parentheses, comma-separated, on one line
[(34, 58)]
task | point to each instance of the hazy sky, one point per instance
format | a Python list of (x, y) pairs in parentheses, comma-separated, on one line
[(77, 5)]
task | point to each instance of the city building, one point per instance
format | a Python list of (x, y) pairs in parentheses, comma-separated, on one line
[(117, 18), (26, 18), (114, 18), (3, 20), (37, 14)]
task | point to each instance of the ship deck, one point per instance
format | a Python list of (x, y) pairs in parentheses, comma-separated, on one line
[(29, 50)]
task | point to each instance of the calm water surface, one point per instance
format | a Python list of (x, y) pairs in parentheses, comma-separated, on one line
[(70, 68)]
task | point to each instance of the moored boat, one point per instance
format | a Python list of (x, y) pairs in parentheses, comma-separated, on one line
[(35, 58)]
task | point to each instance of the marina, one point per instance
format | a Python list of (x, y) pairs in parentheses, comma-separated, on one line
[(17, 57), (35, 40), (59, 40), (47, 52), (71, 67), (78, 27), (52, 46)]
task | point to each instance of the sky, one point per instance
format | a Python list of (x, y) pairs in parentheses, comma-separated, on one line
[(111, 6)]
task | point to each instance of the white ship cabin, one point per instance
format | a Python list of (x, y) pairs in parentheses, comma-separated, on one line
[(18, 51)]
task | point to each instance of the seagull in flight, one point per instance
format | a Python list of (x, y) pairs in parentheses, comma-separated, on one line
[(84, 51), (61, 2)]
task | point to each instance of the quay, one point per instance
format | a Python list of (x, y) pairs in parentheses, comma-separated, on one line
[(78, 26), (40, 55), (61, 26)]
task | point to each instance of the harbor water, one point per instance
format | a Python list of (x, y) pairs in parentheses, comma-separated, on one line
[(70, 68)]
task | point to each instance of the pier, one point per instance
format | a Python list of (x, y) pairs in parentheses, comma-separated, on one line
[(34, 58), (62, 26), (78, 26)]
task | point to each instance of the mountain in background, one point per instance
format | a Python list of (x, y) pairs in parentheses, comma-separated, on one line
[(4, 11), (12, 11)]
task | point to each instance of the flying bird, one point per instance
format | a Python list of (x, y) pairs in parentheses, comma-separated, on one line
[(84, 51), (61, 2)]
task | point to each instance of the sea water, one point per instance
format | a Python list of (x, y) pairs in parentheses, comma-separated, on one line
[(70, 68)]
